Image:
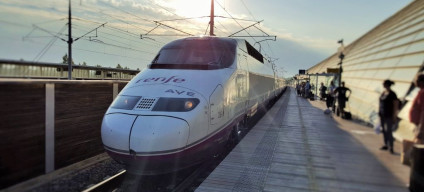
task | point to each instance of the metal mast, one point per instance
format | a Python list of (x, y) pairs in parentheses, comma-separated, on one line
[(341, 57), (69, 43), (212, 19)]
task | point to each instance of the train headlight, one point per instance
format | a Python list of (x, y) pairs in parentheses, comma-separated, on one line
[(125, 102), (188, 105), (176, 104)]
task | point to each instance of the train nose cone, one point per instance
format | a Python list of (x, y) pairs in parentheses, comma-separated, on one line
[(116, 129), (123, 133), (158, 134)]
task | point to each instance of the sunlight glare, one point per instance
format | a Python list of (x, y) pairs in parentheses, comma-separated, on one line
[(192, 8)]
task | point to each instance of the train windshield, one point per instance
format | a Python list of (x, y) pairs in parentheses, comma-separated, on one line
[(199, 53)]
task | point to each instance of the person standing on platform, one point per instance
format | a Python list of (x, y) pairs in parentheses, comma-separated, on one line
[(307, 89), (302, 89), (322, 90), (416, 113), (298, 89), (341, 97), (388, 111), (330, 96)]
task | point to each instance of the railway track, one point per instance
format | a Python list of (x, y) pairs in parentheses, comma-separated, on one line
[(109, 184), (183, 181)]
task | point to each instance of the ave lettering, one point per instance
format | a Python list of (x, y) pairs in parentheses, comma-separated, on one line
[(178, 92)]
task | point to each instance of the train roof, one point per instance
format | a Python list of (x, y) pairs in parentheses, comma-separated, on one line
[(241, 44)]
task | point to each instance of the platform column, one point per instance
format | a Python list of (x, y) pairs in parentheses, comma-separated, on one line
[(49, 142)]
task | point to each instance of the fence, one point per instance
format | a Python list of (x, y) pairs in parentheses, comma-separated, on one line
[(49, 124)]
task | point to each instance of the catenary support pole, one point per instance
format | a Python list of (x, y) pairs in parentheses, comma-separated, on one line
[(69, 43)]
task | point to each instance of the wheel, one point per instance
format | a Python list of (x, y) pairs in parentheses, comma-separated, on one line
[(237, 132), (235, 135)]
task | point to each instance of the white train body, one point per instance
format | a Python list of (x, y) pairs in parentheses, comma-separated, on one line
[(184, 107)]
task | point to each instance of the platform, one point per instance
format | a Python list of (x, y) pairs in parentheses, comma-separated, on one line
[(296, 147)]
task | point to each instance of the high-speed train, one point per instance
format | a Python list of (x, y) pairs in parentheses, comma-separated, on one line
[(191, 101)]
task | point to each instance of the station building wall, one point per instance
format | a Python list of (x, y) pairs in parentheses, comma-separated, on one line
[(392, 50)]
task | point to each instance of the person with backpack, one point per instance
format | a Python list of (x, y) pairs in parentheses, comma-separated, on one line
[(388, 110), (342, 98), (322, 90)]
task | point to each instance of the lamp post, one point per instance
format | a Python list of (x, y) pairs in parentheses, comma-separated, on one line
[(341, 57)]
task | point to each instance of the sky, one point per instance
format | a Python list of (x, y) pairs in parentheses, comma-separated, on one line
[(131, 32)]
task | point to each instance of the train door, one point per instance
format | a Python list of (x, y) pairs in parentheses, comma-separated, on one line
[(243, 82), (216, 108)]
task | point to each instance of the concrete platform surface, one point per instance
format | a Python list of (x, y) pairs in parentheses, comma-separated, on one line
[(296, 147)]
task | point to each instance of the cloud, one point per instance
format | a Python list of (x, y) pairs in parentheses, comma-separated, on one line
[(293, 55), (325, 46), (33, 12)]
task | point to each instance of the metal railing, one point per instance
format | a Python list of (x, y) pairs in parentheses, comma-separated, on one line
[(25, 69)]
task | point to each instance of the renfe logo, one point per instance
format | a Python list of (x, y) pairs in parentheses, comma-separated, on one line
[(161, 80)]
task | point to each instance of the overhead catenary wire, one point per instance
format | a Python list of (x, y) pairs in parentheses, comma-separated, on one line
[(177, 16), (125, 11), (102, 12), (119, 46), (217, 16), (171, 12), (94, 51), (115, 34), (159, 43), (60, 35), (167, 10), (95, 29), (15, 24), (116, 39), (47, 47), (129, 13), (165, 20), (182, 19), (49, 32), (112, 54), (131, 34), (50, 21), (250, 13), (235, 20), (126, 31)]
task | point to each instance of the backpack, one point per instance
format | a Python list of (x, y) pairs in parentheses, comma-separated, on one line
[(347, 115)]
